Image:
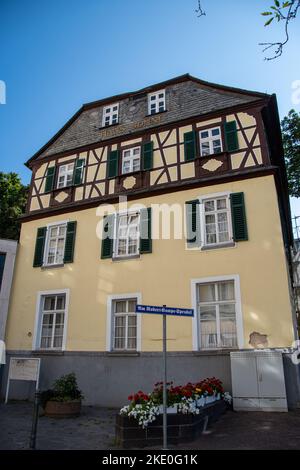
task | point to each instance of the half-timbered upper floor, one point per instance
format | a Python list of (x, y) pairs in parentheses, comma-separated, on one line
[(166, 137)]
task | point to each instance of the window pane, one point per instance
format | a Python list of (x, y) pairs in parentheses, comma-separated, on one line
[(226, 290), (53, 231), (120, 306), (228, 326), (209, 206), (49, 303), (47, 328), (221, 204), (207, 293), (121, 247), (131, 307), (215, 131), (205, 148), (204, 135), (208, 327), (60, 302), (217, 146), (46, 342), (136, 151), (132, 247), (136, 165), (57, 343)]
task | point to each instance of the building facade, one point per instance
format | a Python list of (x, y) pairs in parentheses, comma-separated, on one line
[(99, 237)]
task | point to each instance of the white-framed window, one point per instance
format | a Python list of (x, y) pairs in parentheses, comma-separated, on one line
[(210, 141), (218, 322), (123, 325), (110, 115), (127, 238), (131, 160), (157, 102), (216, 220), (65, 175), (51, 320), (55, 244)]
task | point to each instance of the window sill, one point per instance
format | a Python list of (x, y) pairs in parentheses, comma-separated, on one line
[(131, 173), (213, 155), (47, 352), (123, 353), (125, 258), (52, 266), (217, 247), (55, 190), (214, 352)]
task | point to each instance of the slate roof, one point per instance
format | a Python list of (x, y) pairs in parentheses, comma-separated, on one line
[(186, 97)]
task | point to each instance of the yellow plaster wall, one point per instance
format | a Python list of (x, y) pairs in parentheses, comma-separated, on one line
[(162, 277)]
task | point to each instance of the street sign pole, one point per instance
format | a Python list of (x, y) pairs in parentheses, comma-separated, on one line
[(164, 311), (165, 438)]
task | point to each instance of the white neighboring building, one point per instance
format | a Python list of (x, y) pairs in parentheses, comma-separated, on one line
[(8, 249)]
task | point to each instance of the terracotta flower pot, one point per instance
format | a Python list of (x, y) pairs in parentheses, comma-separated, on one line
[(63, 409)]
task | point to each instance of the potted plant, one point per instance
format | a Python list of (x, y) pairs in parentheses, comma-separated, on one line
[(64, 399)]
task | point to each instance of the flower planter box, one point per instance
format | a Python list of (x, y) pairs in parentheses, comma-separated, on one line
[(63, 409), (181, 427)]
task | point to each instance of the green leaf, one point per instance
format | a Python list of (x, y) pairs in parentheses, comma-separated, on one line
[(269, 21), (286, 4), (267, 13), (277, 3)]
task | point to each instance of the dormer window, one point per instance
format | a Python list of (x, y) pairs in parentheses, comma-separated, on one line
[(157, 102), (110, 115)]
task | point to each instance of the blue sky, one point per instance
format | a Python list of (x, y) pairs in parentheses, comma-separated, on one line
[(58, 54)]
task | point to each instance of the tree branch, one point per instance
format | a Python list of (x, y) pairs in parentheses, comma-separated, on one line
[(293, 7), (200, 11)]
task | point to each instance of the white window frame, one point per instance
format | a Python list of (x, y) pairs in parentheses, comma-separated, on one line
[(110, 323), (47, 241), (116, 226), (38, 319), (65, 175), (238, 311), (210, 139), (130, 159), (108, 112), (156, 101), (208, 197)]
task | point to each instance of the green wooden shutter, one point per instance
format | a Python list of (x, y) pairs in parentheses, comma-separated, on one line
[(50, 177), (78, 171), (147, 156), (231, 136), (108, 236), (193, 223), (70, 242), (146, 232), (113, 164), (189, 146), (39, 247), (238, 214)]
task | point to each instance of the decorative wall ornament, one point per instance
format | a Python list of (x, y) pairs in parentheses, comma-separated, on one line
[(212, 165)]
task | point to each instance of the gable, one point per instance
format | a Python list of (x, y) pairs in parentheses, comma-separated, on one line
[(185, 98)]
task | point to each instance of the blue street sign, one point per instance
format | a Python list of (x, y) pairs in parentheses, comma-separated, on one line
[(158, 310)]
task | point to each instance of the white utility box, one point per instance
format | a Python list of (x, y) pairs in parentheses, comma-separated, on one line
[(258, 381)]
